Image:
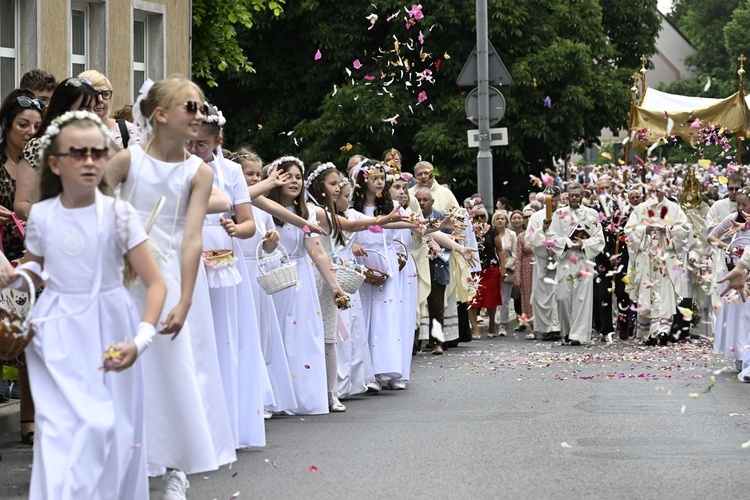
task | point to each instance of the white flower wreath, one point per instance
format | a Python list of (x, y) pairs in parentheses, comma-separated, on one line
[(284, 159), (319, 170), (218, 118), (53, 129)]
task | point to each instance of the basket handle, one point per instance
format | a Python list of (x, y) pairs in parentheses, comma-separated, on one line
[(387, 265), (406, 250), (258, 250)]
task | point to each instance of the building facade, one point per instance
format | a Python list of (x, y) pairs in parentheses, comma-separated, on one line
[(126, 40)]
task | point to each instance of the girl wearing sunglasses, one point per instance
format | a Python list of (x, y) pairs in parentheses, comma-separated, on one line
[(104, 92), (72, 94), (188, 427), (77, 236)]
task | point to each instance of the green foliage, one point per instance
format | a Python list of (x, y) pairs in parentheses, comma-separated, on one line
[(578, 54), (214, 45)]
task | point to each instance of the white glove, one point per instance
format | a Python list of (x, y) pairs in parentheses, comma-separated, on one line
[(144, 337)]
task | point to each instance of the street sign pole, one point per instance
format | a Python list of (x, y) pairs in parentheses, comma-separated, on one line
[(484, 157)]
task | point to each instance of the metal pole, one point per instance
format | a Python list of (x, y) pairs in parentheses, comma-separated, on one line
[(484, 157)]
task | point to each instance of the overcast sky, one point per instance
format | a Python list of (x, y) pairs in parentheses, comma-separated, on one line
[(665, 5)]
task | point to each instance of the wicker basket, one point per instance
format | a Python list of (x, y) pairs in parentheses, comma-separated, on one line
[(376, 277), (15, 331), (350, 275), (278, 279), (213, 258), (403, 258)]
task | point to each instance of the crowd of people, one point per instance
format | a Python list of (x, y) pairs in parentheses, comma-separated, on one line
[(187, 292)]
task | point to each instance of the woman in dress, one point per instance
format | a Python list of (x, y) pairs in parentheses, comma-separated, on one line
[(20, 117), (524, 270), (77, 236), (509, 242), (188, 428), (298, 308), (492, 260)]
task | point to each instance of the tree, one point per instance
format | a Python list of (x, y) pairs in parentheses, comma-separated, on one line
[(214, 45), (569, 60)]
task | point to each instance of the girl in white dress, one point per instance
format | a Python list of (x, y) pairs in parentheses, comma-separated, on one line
[(322, 186), (236, 324), (298, 308), (188, 428), (408, 281), (89, 422), (733, 317), (380, 304), (272, 343)]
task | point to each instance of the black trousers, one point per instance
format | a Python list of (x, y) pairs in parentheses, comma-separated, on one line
[(435, 301), (603, 299)]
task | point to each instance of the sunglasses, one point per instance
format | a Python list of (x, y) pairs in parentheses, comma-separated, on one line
[(79, 154), (731, 188), (105, 94), (192, 107), (27, 102), (200, 146), (77, 82)]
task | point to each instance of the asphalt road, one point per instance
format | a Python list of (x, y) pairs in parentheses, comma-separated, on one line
[(504, 418)]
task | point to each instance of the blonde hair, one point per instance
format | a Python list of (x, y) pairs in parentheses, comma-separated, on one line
[(498, 214), (167, 94), (97, 79)]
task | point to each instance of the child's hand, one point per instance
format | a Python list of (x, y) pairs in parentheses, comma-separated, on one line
[(175, 320), (271, 240), (126, 356), (279, 178), (229, 226)]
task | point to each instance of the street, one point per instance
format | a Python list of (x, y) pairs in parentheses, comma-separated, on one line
[(503, 418)]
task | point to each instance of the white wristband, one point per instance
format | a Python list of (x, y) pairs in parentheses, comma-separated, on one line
[(144, 337)]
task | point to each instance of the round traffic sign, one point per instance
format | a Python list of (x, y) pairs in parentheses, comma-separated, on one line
[(497, 106)]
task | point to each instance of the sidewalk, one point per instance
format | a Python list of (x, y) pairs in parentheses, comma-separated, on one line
[(9, 417)]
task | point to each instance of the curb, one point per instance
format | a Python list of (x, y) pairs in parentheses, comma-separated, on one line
[(9, 415)]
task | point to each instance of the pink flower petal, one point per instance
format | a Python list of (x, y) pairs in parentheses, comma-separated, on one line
[(357, 64), (312, 468), (318, 55)]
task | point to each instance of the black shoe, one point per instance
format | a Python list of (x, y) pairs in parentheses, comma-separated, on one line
[(575, 342), (651, 341), (663, 339), (556, 335), (624, 335), (520, 328), (546, 335)]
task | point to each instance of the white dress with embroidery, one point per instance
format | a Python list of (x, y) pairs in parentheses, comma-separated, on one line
[(187, 424), (89, 423)]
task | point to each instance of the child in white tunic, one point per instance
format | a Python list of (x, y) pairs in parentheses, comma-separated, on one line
[(89, 421), (187, 424)]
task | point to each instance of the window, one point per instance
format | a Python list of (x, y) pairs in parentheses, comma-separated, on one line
[(8, 46), (79, 39), (140, 51)]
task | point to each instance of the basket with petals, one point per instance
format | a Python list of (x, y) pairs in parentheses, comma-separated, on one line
[(280, 278), (376, 277), (16, 329), (349, 274), (403, 257)]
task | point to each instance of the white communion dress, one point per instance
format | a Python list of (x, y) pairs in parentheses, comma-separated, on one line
[(187, 424), (89, 423)]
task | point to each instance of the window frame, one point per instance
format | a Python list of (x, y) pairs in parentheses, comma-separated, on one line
[(14, 53), (78, 59)]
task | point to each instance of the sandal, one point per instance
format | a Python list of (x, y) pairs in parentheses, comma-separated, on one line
[(27, 437)]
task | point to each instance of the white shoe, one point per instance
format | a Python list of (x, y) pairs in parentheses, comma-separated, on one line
[(501, 332), (267, 414), (175, 485), (609, 338), (396, 385), (374, 386), (334, 405), (530, 336)]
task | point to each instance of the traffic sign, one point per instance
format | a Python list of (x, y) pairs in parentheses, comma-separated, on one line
[(498, 72), (497, 106), (498, 137)]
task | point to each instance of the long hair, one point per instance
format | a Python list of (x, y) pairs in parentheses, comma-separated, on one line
[(11, 108), (300, 207), (50, 184), (63, 98), (317, 191), (383, 203), (166, 94)]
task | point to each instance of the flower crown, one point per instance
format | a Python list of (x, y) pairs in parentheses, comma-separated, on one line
[(319, 170), (54, 128), (284, 159), (344, 182), (218, 118)]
